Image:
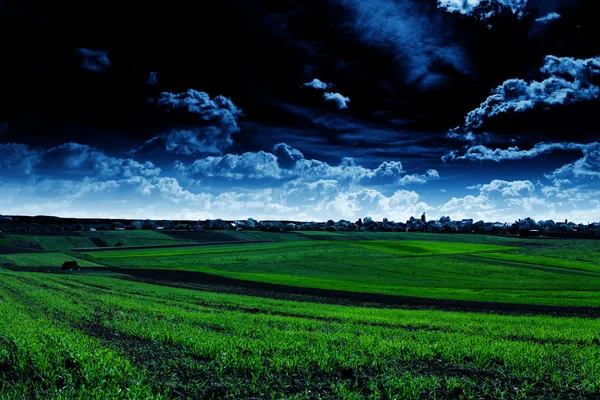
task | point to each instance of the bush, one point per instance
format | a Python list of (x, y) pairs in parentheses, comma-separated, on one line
[(70, 265)]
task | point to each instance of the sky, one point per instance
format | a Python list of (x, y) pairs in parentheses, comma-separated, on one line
[(289, 110)]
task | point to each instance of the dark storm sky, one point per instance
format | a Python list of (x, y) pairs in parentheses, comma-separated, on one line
[(301, 110)]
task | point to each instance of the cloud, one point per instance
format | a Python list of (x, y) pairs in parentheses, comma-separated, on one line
[(549, 18), (17, 159), (288, 163), (318, 84), (93, 60), (483, 9), (260, 165), (420, 44), (507, 188), (483, 153), (168, 187), (368, 202), (84, 160), (152, 78), (587, 167), (337, 98), (208, 140), (287, 156), (209, 123), (3, 127), (499, 200), (69, 159), (407, 180), (570, 81), (199, 103)]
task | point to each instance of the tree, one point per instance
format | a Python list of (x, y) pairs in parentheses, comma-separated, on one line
[(117, 224), (135, 225), (423, 218)]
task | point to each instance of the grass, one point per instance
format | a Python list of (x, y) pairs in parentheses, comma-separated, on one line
[(134, 238), (84, 239), (45, 260), (465, 267), (76, 336)]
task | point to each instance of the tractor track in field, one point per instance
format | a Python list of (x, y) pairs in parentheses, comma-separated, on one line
[(215, 283)]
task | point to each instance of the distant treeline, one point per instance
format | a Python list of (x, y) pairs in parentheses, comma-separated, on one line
[(522, 227)]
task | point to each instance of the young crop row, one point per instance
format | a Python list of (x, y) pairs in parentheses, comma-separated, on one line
[(177, 343)]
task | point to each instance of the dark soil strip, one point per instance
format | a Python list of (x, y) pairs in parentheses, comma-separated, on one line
[(353, 298), (216, 283), (166, 246), (165, 362), (188, 374)]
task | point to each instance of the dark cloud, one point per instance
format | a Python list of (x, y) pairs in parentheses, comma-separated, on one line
[(287, 156), (80, 159), (190, 141), (418, 40), (69, 159), (200, 125), (483, 153), (152, 78), (3, 128), (93, 60), (197, 103), (17, 159), (259, 165)]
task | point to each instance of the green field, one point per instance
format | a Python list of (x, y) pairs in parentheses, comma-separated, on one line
[(93, 334), (507, 271), (102, 337), (110, 238), (44, 260)]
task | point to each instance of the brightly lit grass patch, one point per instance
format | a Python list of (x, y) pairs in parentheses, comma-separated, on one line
[(146, 341)]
